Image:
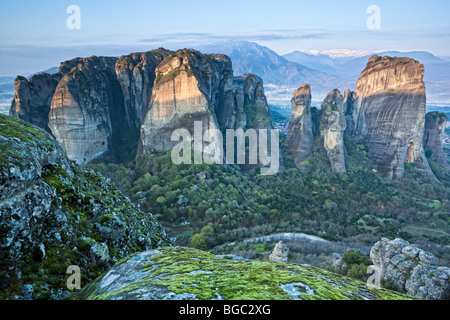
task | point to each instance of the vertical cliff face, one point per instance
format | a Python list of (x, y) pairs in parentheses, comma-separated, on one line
[(186, 90), (332, 127), (300, 136), (432, 139), (87, 112), (255, 104), (136, 75), (98, 106), (389, 113), (32, 98)]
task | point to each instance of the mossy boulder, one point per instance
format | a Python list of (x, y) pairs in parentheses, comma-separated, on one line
[(186, 273), (54, 214)]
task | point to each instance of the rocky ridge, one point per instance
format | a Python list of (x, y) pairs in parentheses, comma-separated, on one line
[(108, 108), (385, 113), (300, 134), (33, 97)]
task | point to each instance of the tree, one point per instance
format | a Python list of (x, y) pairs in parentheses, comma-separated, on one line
[(198, 241)]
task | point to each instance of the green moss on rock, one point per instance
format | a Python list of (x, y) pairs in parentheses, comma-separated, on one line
[(186, 273), (54, 214)]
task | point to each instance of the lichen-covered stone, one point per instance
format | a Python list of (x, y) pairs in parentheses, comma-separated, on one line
[(54, 214), (175, 273)]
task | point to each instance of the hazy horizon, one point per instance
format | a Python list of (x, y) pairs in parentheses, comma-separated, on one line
[(34, 35)]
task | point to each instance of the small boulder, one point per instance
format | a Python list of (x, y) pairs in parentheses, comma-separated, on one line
[(280, 253)]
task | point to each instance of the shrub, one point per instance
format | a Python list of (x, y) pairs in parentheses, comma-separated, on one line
[(198, 241)]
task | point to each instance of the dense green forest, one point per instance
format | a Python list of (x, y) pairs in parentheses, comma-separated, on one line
[(206, 206)]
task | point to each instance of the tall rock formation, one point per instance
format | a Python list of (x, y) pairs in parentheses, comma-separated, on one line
[(255, 109), (432, 139), (186, 90), (300, 136), (33, 97), (87, 112), (332, 127), (245, 105), (389, 113), (136, 74)]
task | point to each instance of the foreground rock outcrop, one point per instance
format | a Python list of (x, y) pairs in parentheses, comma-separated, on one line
[(54, 214), (389, 113), (435, 123), (410, 269), (175, 273)]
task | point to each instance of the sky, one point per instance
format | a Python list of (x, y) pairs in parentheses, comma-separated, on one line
[(34, 35)]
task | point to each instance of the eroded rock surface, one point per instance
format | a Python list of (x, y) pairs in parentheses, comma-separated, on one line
[(280, 252), (389, 113), (300, 136), (54, 214), (185, 91), (33, 97), (332, 127), (408, 268), (136, 74), (435, 123), (87, 112)]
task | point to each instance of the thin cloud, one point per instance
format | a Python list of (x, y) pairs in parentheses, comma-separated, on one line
[(273, 36)]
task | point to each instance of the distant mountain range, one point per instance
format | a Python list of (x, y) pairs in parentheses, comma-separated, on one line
[(281, 77), (324, 71)]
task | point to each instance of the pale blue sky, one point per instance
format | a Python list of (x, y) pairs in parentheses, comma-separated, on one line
[(34, 36)]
